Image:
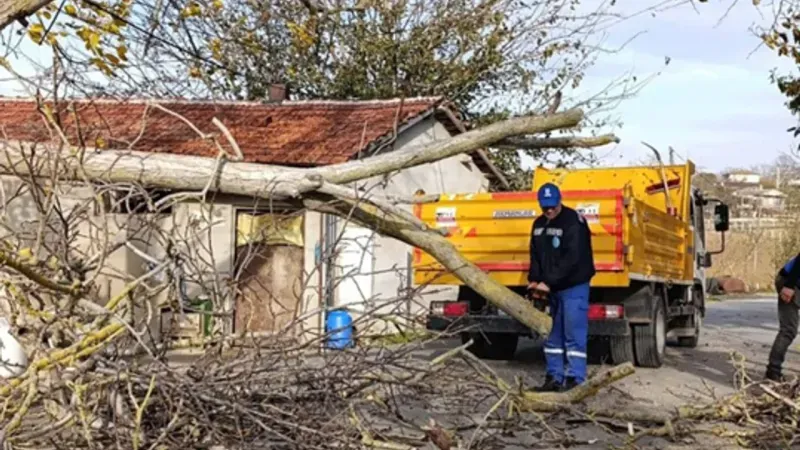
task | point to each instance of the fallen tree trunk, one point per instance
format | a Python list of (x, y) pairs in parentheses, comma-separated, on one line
[(184, 173), (444, 252)]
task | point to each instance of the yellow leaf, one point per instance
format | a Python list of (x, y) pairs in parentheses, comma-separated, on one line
[(36, 31), (113, 59), (191, 10), (195, 72), (216, 48), (122, 52), (99, 142), (25, 253), (71, 10), (94, 41), (217, 4), (100, 64)]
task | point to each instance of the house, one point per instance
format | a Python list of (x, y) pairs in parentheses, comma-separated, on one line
[(741, 177), (260, 264), (757, 202)]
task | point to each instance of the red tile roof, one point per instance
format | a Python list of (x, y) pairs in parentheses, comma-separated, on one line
[(291, 133)]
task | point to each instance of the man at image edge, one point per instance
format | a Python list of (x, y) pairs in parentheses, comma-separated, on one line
[(786, 285)]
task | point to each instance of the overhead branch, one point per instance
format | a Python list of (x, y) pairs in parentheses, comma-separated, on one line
[(166, 171), (559, 142), (159, 169), (11, 10), (462, 143)]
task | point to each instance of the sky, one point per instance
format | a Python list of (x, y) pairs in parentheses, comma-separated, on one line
[(713, 103)]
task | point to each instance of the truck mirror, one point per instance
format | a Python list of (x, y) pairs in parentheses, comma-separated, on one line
[(721, 218)]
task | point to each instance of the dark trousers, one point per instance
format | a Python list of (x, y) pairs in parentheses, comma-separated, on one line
[(788, 320)]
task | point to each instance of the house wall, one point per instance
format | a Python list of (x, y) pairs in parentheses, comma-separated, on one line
[(204, 233), (214, 247), (385, 279), (91, 235), (207, 233)]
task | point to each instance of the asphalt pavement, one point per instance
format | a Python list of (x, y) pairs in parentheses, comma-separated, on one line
[(736, 329)]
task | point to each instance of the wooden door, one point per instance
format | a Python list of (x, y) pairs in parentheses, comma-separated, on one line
[(270, 287)]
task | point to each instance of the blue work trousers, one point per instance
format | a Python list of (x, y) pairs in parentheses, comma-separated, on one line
[(565, 349)]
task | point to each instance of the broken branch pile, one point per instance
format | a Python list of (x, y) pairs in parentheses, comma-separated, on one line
[(283, 398)]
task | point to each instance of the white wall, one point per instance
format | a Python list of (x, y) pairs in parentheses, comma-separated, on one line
[(390, 265)]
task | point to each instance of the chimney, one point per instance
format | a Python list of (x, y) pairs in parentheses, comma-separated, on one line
[(278, 93)]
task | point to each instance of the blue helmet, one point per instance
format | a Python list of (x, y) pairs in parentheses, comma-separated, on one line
[(549, 196)]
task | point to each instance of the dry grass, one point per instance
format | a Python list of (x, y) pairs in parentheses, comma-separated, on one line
[(752, 256)]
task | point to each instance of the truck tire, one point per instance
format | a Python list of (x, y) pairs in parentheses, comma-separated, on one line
[(621, 349), (495, 346), (692, 341), (650, 340)]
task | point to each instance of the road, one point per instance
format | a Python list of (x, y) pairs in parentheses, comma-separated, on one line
[(746, 326)]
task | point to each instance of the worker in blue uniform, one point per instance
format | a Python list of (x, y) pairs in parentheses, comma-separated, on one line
[(786, 283), (562, 265)]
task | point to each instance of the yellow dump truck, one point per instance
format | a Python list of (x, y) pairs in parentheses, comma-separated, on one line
[(649, 244)]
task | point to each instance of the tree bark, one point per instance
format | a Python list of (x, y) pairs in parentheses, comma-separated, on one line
[(11, 10), (557, 142)]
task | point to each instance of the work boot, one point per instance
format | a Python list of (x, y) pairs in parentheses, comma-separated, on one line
[(569, 383), (550, 385), (773, 376)]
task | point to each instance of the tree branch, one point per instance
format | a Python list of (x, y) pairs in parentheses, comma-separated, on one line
[(159, 170), (559, 142), (462, 143), (11, 10)]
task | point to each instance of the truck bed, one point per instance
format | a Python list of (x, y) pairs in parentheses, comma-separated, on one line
[(634, 234)]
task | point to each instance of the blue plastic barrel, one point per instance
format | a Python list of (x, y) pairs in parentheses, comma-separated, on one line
[(339, 328)]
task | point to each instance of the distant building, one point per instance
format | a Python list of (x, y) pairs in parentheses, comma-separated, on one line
[(742, 177), (758, 202)]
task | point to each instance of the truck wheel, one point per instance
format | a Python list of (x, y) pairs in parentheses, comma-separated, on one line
[(692, 341), (621, 348), (650, 341), (496, 346)]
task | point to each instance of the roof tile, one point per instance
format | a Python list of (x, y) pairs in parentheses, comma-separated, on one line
[(291, 133)]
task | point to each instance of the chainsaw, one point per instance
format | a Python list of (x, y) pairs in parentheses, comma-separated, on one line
[(539, 298)]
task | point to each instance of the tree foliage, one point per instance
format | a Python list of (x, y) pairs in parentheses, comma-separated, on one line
[(783, 37), (493, 58)]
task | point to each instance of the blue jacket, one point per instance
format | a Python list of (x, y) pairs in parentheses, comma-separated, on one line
[(791, 272)]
